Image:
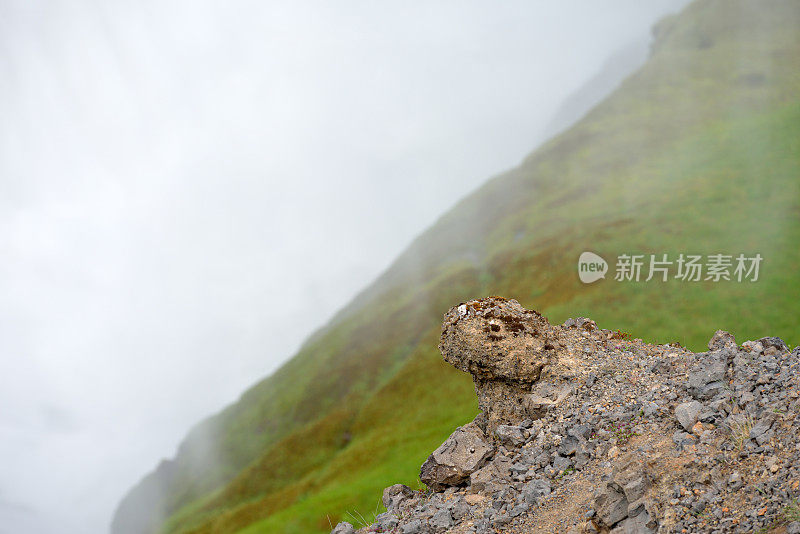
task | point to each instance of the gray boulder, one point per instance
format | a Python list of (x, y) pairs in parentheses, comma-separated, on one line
[(463, 453)]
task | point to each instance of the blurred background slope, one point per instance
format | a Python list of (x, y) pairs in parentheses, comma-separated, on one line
[(189, 189), (696, 152)]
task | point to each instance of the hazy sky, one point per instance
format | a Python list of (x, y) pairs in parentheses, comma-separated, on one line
[(185, 187)]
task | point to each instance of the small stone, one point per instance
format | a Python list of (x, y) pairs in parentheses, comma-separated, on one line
[(721, 340), (413, 527), (396, 494), (761, 430), (518, 510), (735, 482), (501, 520), (753, 346), (343, 528), (561, 463), (635, 489), (687, 414), (474, 498), (775, 343), (510, 436), (707, 377), (442, 519), (536, 489), (772, 464), (611, 507), (386, 521), (634, 525)]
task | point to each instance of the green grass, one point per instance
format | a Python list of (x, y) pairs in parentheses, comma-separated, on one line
[(792, 511), (698, 152)]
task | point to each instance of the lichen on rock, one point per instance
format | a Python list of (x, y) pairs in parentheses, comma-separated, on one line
[(506, 349)]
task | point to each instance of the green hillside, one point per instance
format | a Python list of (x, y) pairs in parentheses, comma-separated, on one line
[(696, 153)]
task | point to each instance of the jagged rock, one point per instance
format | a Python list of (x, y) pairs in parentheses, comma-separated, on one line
[(634, 525), (490, 475), (735, 481), (721, 340), (761, 430), (687, 414), (561, 463), (441, 520), (611, 507), (458, 508), (395, 495), (773, 345), (571, 445), (505, 348), (635, 489), (622, 505), (630, 476), (343, 528), (544, 397), (536, 489), (753, 346), (707, 377), (463, 453), (386, 521), (509, 435)]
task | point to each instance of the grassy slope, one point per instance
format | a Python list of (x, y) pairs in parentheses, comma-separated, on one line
[(698, 152)]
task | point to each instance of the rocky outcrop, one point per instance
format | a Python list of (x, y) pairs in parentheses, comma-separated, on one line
[(583, 430), (506, 349)]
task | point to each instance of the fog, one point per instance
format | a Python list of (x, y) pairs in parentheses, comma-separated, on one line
[(188, 188)]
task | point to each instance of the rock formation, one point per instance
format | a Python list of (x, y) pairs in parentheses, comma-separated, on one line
[(583, 430), (506, 349)]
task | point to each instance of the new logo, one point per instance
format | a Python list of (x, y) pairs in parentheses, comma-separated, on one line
[(591, 267)]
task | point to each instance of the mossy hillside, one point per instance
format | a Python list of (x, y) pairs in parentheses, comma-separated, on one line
[(655, 311), (698, 152)]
